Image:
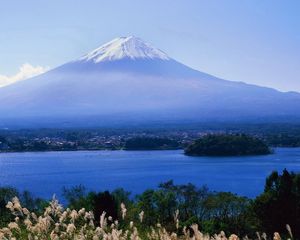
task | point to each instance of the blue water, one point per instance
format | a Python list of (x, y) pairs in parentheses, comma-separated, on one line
[(45, 173)]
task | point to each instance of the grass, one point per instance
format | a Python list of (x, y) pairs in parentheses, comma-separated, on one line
[(57, 223)]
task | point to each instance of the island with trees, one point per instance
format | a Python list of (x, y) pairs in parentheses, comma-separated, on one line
[(227, 145)]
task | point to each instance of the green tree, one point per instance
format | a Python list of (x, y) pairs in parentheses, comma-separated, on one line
[(6, 194), (227, 212), (227, 145), (280, 203)]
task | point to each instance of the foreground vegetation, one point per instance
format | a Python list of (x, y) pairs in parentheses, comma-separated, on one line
[(57, 223), (173, 211), (227, 145)]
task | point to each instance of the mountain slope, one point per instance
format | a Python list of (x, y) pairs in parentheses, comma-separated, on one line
[(129, 80)]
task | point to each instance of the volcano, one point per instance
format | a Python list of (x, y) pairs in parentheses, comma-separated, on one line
[(128, 80)]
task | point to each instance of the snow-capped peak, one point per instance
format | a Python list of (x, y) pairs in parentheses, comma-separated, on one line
[(125, 47)]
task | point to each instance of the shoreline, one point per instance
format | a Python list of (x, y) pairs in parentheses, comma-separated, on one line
[(140, 150)]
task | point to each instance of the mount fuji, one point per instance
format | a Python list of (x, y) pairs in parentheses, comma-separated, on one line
[(128, 80)]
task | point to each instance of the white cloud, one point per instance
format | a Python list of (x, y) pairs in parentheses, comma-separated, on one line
[(25, 71)]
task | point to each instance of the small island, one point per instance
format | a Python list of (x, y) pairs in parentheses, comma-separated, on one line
[(228, 145)]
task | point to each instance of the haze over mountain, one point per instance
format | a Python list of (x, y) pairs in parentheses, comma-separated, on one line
[(128, 80)]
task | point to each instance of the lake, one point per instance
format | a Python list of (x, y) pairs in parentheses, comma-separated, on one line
[(45, 173)]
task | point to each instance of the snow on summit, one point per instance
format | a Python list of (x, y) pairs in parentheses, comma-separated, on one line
[(125, 47), (115, 85)]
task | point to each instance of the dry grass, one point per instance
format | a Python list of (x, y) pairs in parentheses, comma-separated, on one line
[(57, 223)]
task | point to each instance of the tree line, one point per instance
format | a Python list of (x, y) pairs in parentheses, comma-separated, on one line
[(277, 206)]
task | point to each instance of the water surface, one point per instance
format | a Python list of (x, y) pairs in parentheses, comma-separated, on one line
[(45, 173)]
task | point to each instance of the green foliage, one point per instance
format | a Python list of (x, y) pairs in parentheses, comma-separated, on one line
[(104, 202), (229, 212), (6, 194), (77, 198), (277, 206), (280, 203), (227, 145), (28, 201), (195, 205), (283, 140), (150, 143), (31, 203), (121, 196), (212, 211)]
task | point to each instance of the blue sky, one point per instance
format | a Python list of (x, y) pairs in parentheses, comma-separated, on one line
[(255, 41)]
